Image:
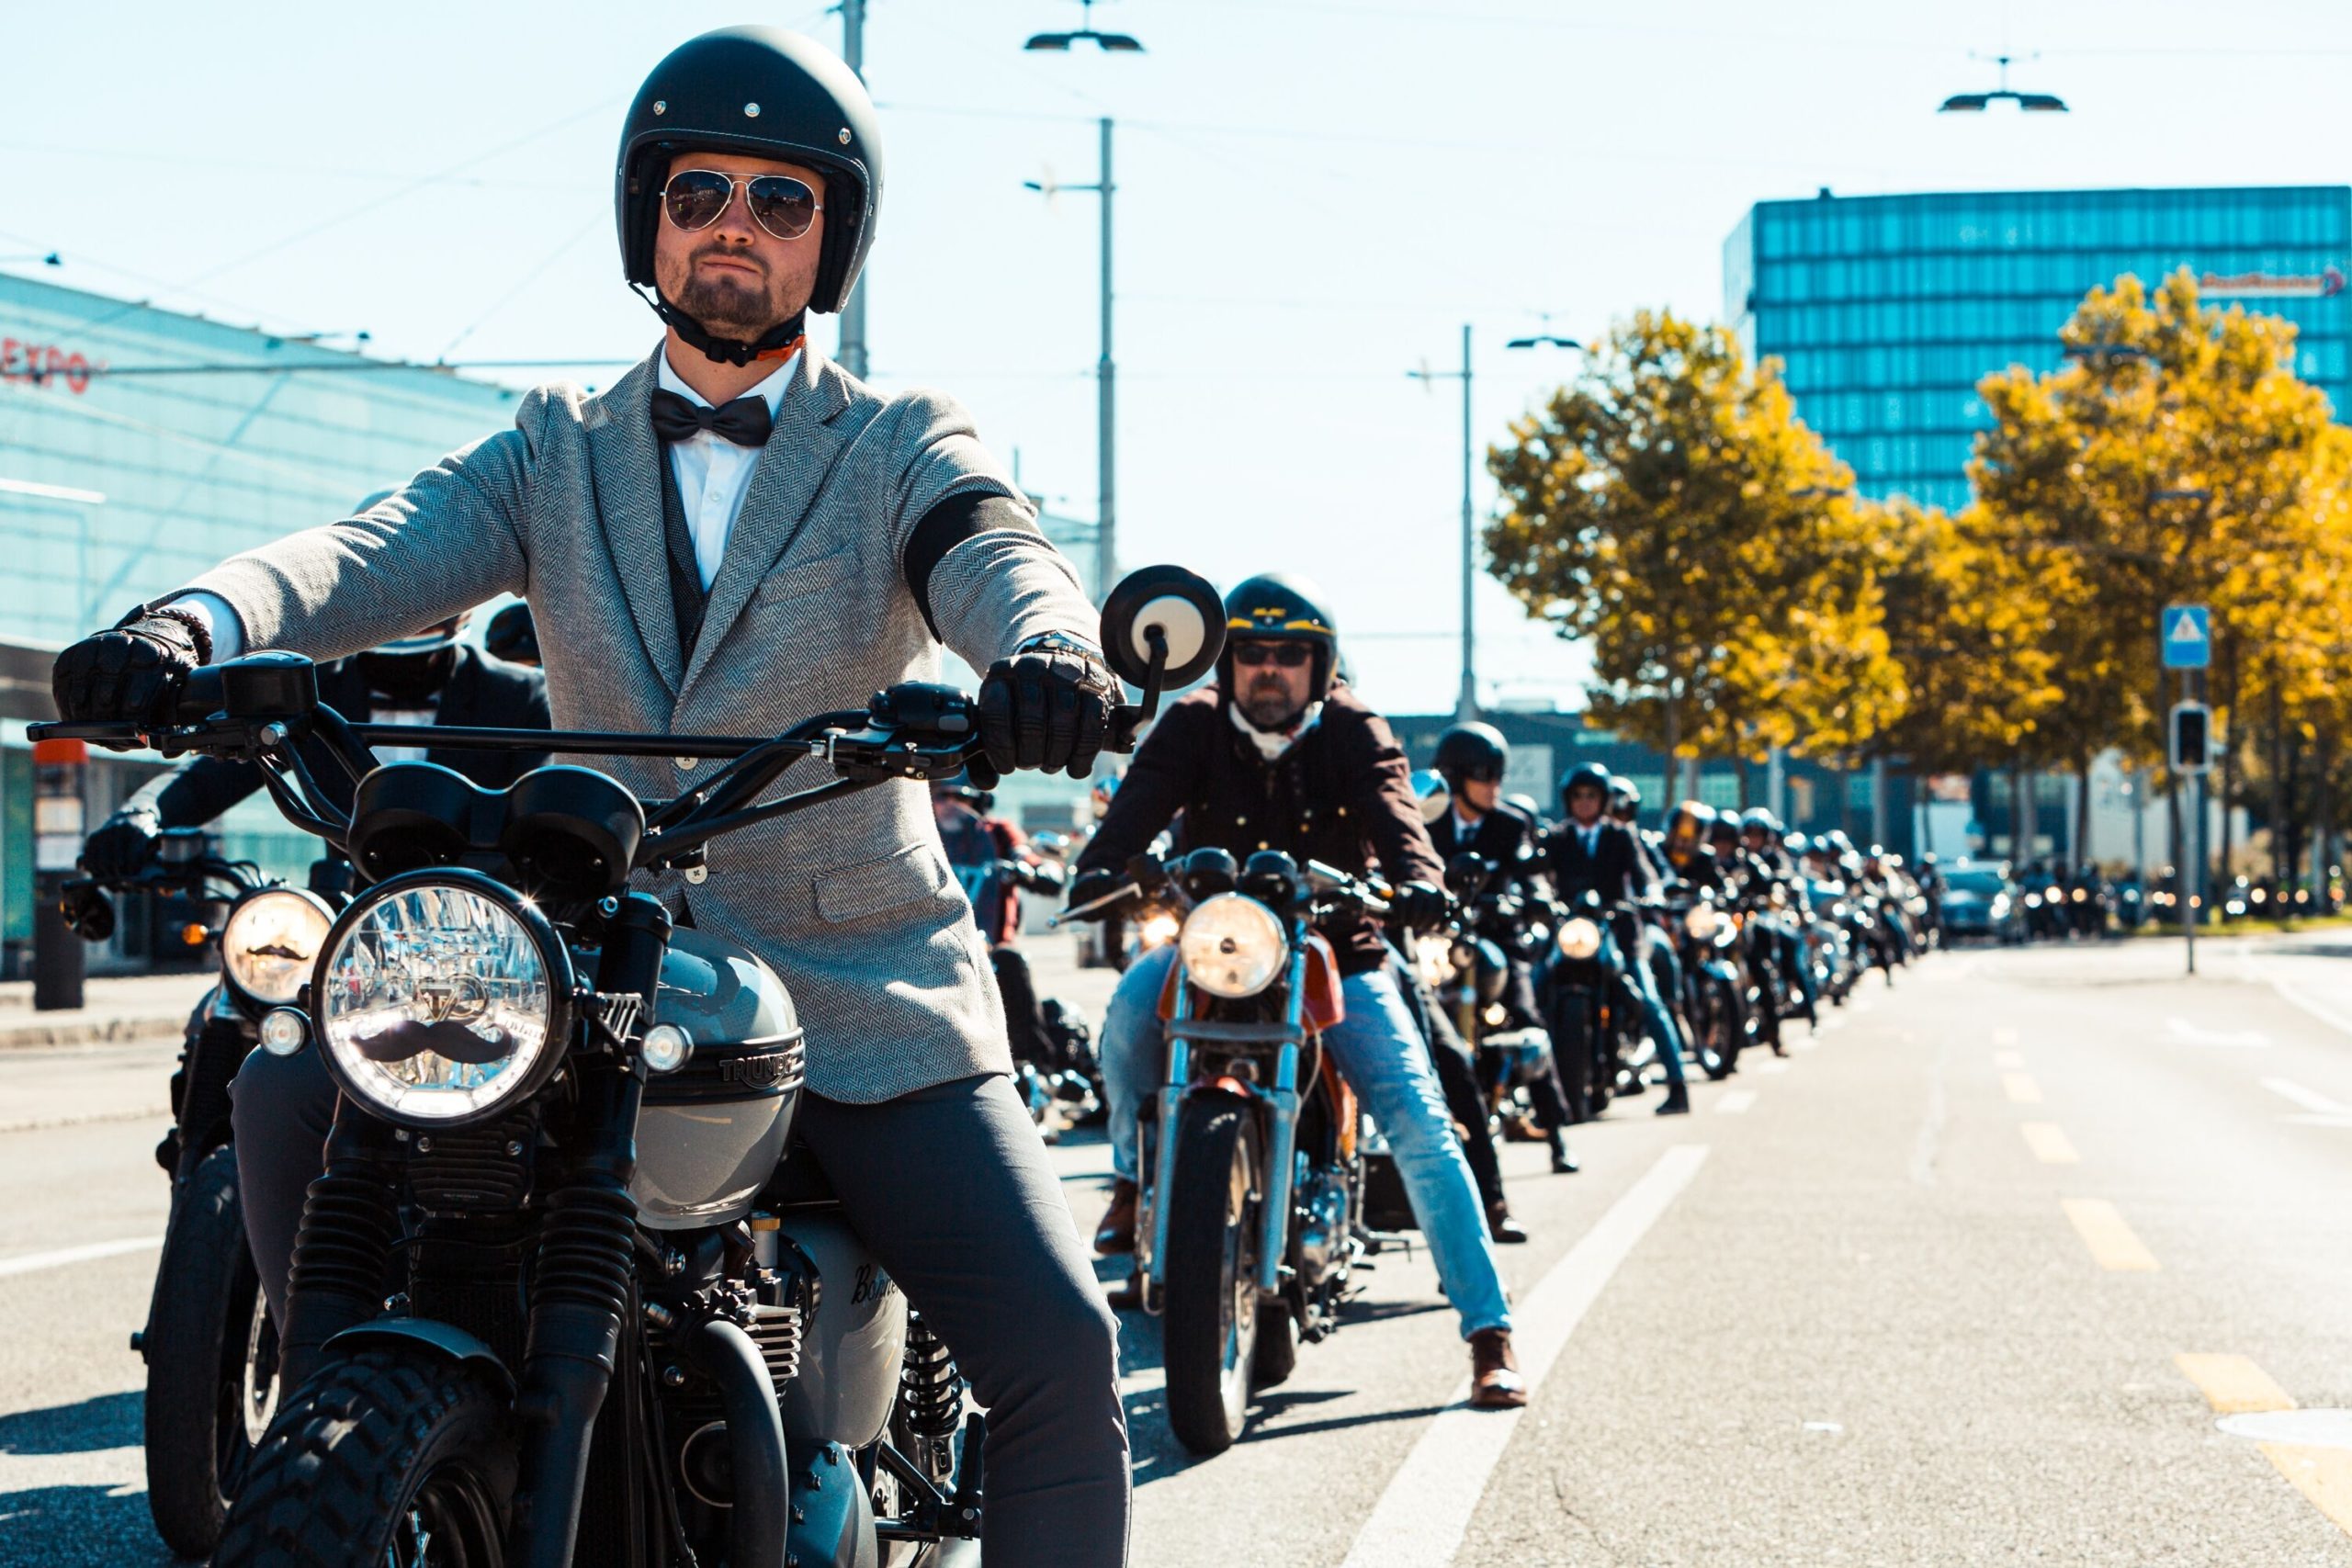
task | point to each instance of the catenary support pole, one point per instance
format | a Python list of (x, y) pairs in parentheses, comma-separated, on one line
[(853, 355)]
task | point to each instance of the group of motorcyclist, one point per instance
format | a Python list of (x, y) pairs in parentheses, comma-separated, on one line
[(671, 565)]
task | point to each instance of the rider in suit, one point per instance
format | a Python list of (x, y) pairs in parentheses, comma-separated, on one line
[(732, 537), (1588, 853)]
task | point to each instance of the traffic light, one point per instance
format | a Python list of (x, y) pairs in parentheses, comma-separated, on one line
[(2192, 737)]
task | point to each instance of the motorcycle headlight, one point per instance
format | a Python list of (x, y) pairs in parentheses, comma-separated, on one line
[(1579, 938), (270, 942), (442, 997), (1702, 921), (1232, 945), (1159, 930)]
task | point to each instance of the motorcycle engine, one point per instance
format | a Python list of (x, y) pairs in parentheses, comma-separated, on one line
[(1322, 1225)]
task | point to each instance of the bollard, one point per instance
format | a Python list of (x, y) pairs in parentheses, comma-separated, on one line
[(57, 955)]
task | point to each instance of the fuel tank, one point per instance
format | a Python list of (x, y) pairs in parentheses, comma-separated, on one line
[(711, 1132)]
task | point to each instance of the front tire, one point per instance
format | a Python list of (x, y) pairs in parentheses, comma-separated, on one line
[(390, 1458), (211, 1362), (1209, 1321)]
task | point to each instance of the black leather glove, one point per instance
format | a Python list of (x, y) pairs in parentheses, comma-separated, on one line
[(1419, 907), (123, 844), (1047, 707), (131, 672), (1092, 884)]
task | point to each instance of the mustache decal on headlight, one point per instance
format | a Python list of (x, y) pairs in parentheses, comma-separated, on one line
[(408, 1039)]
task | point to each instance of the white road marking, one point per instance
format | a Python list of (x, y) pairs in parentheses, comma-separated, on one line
[(2008, 1058), (2315, 1121), (121, 1472), (2186, 1034), (2310, 1099), (2005, 1036), (1734, 1101), (1768, 1064), (2305, 1429), (32, 1262), (1419, 1519)]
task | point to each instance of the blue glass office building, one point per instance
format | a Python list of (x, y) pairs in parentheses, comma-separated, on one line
[(139, 447), (1886, 311)]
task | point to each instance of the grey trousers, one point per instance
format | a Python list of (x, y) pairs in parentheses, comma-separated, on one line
[(951, 1188)]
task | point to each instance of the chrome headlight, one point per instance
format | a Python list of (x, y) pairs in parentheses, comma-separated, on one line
[(270, 942), (1579, 938), (1702, 921), (1232, 945), (441, 997)]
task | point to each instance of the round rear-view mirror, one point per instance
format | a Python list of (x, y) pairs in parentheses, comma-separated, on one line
[(1430, 791), (1181, 606)]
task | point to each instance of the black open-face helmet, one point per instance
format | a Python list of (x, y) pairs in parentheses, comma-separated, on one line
[(1275, 607), (1760, 819), (1723, 831), (1472, 752), (1624, 799), (765, 93), (513, 636), (1687, 829), (1585, 775)]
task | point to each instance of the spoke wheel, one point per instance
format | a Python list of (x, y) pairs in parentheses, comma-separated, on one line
[(1210, 1323)]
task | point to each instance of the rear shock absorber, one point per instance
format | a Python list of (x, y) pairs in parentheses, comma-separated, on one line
[(930, 1398)]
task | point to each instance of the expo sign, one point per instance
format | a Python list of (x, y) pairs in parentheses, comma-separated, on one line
[(45, 364)]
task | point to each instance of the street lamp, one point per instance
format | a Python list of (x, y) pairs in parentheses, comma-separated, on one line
[(1108, 43), (1977, 102)]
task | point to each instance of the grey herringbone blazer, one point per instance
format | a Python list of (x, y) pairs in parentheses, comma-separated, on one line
[(852, 901)]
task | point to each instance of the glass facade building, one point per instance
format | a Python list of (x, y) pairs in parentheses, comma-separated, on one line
[(139, 447), (1886, 311)]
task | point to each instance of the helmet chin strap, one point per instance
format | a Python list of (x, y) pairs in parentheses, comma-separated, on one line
[(779, 342)]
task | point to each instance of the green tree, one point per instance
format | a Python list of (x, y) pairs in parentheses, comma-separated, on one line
[(1669, 506)]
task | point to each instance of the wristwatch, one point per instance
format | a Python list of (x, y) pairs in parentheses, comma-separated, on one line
[(1059, 642)]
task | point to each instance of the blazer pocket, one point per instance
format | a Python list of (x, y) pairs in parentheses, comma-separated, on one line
[(908, 875), (798, 578)]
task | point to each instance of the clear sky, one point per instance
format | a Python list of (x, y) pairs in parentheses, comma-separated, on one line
[(1314, 198)]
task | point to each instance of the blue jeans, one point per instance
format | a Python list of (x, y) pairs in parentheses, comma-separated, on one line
[(1385, 1062), (1655, 1018)]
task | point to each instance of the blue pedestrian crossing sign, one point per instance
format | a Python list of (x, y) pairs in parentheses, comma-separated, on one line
[(2186, 633)]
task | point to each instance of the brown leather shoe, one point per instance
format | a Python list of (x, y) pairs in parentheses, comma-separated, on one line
[(1116, 1234), (1507, 1232), (1126, 1295), (1495, 1383)]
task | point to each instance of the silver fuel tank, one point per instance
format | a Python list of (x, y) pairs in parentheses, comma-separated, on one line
[(710, 1133), (855, 1337)]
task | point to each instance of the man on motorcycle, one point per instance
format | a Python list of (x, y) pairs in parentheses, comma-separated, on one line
[(734, 534), (1277, 755), (1589, 852), (1471, 758), (1762, 836)]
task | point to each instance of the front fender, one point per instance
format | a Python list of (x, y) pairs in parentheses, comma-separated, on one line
[(451, 1343)]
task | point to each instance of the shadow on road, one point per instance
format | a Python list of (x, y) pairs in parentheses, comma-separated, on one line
[(50, 1515)]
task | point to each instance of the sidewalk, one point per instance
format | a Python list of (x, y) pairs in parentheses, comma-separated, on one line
[(116, 1007)]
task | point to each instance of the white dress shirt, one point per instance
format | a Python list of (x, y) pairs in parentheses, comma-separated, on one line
[(713, 472)]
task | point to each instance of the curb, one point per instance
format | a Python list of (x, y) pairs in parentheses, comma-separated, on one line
[(119, 1030)]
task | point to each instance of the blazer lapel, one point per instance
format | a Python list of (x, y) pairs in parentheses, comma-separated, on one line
[(622, 455), (800, 453)]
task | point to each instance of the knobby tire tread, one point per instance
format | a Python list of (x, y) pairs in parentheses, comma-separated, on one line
[(204, 1265)]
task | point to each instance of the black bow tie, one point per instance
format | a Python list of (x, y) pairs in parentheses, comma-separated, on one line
[(746, 421)]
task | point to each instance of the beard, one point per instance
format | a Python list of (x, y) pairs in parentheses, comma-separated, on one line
[(727, 304), (1269, 705)]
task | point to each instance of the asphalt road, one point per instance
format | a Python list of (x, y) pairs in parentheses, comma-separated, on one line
[(2039, 1257)]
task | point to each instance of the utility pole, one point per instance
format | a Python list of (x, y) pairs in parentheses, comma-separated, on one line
[(1106, 430), (1466, 705), (853, 345)]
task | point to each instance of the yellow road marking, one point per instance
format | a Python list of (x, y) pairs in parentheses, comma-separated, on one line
[(2233, 1385), (2049, 1145), (2008, 1058), (2113, 1245), (2021, 1088), (2324, 1475)]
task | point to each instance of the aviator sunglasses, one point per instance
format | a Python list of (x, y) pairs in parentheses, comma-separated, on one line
[(780, 204), (1289, 655)]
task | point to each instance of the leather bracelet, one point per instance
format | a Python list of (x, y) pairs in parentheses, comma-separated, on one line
[(199, 634)]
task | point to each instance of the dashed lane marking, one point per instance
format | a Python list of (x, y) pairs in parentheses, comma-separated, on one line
[(2021, 1089), (1768, 1065), (32, 1262), (2231, 1384), (2324, 1475), (1419, 1519), (1734, 1101), (2184, 1033), (2008, 1058), (2005, 1036), (2113, 1246), (2309, 1098), (2050, 1146)]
